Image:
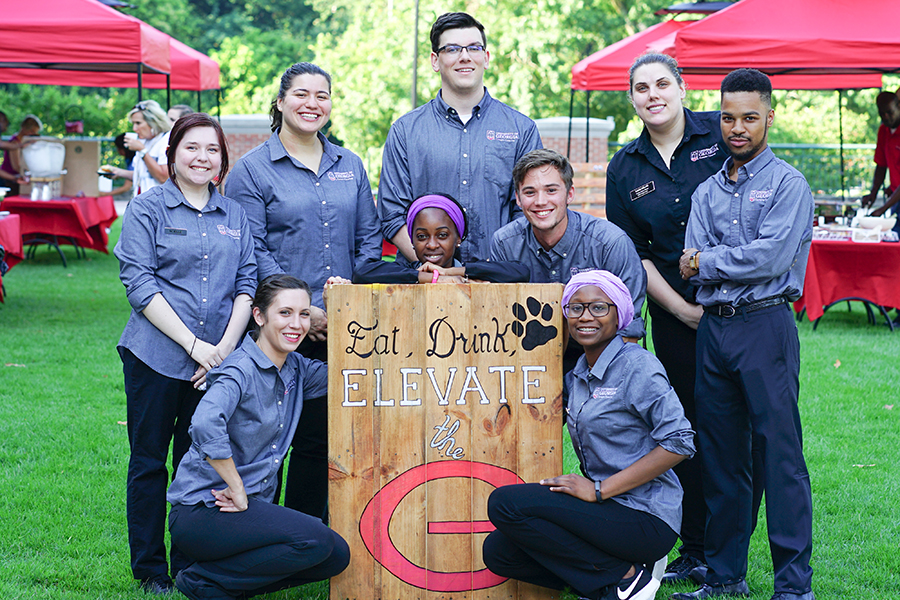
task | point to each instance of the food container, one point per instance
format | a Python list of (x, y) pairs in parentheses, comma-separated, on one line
[(880, 223), (45, 157), (866, 236)]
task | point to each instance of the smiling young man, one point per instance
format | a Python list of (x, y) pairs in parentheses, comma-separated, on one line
[(556, 243), (463, 143), (748, 241)]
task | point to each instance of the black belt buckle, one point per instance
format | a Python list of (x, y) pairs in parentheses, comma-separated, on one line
[(727, 311)]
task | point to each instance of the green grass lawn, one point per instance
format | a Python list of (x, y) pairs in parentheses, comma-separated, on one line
[(64, 453)]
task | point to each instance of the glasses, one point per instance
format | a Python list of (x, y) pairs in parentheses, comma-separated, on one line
[(597, 309), (453, 49)]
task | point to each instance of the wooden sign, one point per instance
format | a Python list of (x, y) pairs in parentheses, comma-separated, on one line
[(438, 394)]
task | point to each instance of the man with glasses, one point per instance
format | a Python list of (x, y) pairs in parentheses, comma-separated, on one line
[(556, 243), (463, 143)]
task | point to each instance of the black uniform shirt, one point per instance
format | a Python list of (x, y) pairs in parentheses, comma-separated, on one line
[(652, 202)]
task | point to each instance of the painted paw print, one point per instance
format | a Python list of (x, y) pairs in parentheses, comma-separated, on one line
[(536, 334)]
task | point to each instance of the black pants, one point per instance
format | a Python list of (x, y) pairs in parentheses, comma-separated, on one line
[(555, 540), (262, 549), (675, 347), (306, 488), (747, 388), (159, 411)]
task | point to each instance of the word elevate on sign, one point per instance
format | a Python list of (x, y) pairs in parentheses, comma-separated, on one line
[(438, 394)]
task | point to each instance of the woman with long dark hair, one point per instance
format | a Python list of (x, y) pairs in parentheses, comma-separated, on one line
[(312, 215)]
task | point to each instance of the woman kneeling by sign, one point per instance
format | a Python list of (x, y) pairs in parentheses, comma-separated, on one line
[(222, 514), (601, 533)]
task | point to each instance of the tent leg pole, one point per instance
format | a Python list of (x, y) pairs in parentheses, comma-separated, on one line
[(841, 129), (168, 92), (587, 129), (219, 104), (140, 74), (199, 101), (571, 111)]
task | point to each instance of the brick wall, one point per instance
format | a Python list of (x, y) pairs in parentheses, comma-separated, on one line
[(244, 133)]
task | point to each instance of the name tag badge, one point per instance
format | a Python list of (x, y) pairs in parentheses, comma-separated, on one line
[(175, 231), (641, 191)]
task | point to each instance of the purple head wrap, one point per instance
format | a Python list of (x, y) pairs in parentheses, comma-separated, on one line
[(611, 285), (436, 201)]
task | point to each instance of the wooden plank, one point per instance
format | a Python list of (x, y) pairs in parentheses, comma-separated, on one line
[(467, 398)]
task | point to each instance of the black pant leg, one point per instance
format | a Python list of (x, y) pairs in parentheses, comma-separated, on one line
[(306, 487), (675, 346), (265, 548)]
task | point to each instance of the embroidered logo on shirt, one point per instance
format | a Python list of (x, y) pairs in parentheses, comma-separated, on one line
[(175, 231), (641, 191), (340, 175), (760, 195), (705, 153), (234, 233), (602, 392), (500, 136)]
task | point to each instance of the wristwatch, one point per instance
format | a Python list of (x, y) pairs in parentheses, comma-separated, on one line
[(597, 491), (693, 263), (140, 154)]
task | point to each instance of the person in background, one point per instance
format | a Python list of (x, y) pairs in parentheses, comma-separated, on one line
[(601, 532), (312, 216), (178, 111), (649, 184), (747, 245), (222, 513), (887, 155), (556, 243), (187, 264), (12, 170), (463, 142), (436, 224), (128, 155), (152, 127)]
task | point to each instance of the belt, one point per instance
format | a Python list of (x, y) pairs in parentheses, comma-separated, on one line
[(728, 311)]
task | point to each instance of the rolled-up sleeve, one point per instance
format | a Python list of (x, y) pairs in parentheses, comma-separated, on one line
[(136, 253), (657, 403), (209, 425)]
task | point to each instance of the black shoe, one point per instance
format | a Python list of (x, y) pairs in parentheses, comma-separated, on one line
[(684, 568), (737, 589), (197, 589), (640, 586), (789, 596), (158, 585)]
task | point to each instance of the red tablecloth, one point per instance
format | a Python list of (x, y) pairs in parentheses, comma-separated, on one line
[(839, 270), (11, 240), (84, 220)]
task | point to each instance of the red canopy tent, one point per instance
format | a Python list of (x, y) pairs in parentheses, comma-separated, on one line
[(66, 36), (837, 38), (191, 70), (607, 70)]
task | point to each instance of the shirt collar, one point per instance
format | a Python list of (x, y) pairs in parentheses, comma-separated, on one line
[(174, 197), (751, 168), (264, 363), (445, 108), (692, 127), (277, 150), (565, 244), (603, 361)]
